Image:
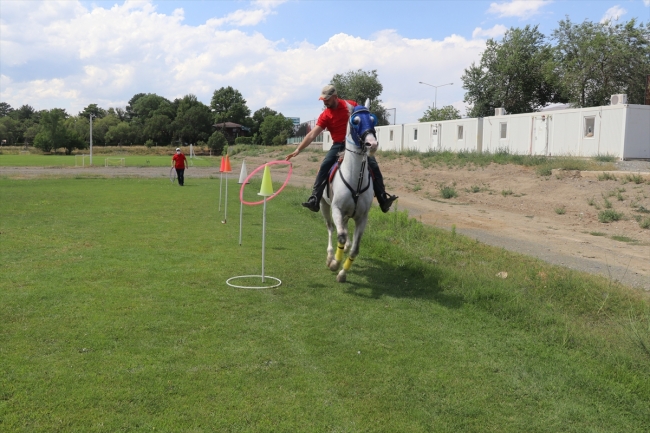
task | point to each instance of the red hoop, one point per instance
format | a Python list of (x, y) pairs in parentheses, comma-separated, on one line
[(254, 203)]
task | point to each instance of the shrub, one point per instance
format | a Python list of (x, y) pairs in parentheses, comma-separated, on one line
[(609, 215), (448, 191), (217, 142), (560, 210), (149, 143)]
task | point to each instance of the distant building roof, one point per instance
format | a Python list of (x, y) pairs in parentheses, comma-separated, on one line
[(231, 125)]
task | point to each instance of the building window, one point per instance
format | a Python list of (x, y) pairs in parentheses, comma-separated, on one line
[(589, 126), (415, 134), (328, 138), (460, 132), (504, 130), (391, 135), (434, 131)]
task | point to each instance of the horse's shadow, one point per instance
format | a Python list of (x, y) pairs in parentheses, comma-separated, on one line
[(380, 278)]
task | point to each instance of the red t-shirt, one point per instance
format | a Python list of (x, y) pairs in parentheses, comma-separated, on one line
[(179, 160), (336, 120)]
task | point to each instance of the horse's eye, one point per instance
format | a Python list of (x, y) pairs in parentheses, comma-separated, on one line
[(356, 120)]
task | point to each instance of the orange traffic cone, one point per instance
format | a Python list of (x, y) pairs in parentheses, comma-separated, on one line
[(227, 168)]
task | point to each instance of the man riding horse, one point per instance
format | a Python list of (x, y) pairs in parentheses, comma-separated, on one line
[(335, 118)]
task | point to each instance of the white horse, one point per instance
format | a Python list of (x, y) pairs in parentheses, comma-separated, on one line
[(350, 193)]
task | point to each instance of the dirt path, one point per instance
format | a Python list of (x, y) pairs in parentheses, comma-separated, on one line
[(507, 206)]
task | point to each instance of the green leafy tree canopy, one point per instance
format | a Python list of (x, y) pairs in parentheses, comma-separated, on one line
[(229, 105), (448, 112)]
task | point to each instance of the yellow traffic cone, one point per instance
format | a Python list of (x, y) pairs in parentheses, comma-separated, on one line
[(267, 186)]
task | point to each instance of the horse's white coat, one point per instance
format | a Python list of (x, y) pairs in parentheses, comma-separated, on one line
[(337, 205)]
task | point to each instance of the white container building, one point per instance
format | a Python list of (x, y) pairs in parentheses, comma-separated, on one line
[(621, 130)]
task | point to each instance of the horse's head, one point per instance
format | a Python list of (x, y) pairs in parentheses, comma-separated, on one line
[(362, 128)]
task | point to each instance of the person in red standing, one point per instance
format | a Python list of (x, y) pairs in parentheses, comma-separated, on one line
[(179, 162), (335, 119)]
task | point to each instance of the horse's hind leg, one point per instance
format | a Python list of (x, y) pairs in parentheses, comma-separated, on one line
[(326, 211), (354, 250)]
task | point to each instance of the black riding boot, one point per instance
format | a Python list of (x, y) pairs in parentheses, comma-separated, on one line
[(385, 200), (313, 202)]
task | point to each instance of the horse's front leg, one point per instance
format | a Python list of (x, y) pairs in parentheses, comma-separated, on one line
[(360, 226), (326, 211), (341, 237)]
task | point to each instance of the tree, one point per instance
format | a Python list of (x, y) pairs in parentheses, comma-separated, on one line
[(53, 133), (229, 105), (94, 110), (9, 130), (101, 127), (5, 109), (259, 116), (448, 112), (130, 114), (193, 120), (122, 134), (275, 130), (150, 105), (217, 142), (158, 128), (360, 85), (25, 112), (515, 74), (117, 112), (596, 60)]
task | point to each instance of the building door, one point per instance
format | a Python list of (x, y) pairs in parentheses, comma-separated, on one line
[(540, 135), (436, 131)]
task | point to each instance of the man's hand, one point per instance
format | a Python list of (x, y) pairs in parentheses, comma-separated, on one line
[(292, 154)]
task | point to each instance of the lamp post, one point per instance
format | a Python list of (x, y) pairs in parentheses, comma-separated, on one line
[(435, 102), (91, 138)]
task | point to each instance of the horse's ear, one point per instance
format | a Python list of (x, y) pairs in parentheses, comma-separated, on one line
[(367, 104)]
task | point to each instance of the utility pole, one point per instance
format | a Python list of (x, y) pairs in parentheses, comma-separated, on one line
[(91, 138)]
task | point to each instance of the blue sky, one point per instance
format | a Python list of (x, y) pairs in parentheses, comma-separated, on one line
[(277, 53)]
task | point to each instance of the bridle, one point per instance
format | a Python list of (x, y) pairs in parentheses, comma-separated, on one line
[(360, 127)]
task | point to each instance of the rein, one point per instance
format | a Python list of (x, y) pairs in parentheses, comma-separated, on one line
[(359, 190)]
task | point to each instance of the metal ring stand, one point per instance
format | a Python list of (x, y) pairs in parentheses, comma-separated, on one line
[(254, 287)]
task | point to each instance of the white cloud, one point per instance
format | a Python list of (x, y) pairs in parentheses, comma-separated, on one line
[(518, 8), (494, 32), (646, 2), (613, 14), (105, 56)]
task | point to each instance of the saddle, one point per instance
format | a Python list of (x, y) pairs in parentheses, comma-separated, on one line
[(335, 167)]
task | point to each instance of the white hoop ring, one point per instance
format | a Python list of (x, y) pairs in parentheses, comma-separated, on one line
[(253, 287)]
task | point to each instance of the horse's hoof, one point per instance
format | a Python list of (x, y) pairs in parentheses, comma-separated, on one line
[(341, 277), (334, 266)]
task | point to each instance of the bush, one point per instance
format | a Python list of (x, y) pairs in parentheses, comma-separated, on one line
[(448, 191), (217, 142), (244, 140), (609, 215), (149, 143)]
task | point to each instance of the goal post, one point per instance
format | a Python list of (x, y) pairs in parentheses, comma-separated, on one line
[(114, 162), (80, 160)]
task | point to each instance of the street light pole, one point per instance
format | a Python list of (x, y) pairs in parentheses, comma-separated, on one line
[(91, 138), (435, 102)]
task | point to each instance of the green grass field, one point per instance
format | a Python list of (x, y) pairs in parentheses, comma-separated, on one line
[(115, 316), (99, 160)]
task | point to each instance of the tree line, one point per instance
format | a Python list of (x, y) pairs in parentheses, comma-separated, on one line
[(148, 119)]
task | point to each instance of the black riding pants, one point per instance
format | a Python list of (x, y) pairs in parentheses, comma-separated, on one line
[(330, 159)]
